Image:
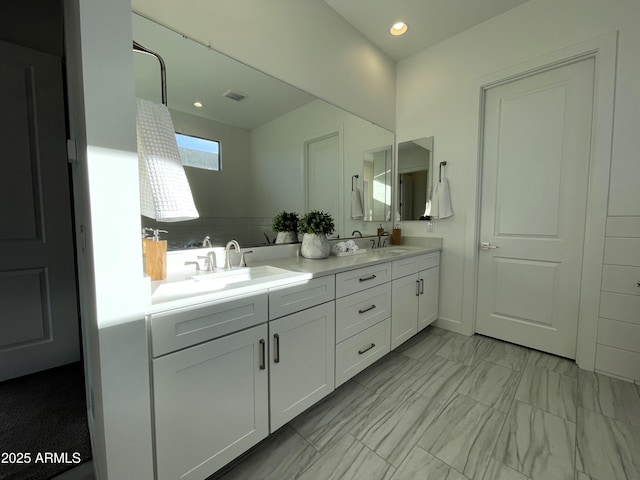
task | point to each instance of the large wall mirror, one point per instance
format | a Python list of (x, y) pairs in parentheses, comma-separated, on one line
[(265, 138), (415, 177)]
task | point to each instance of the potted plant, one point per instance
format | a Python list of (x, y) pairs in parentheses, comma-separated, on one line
[(286, 226), (315, 226)]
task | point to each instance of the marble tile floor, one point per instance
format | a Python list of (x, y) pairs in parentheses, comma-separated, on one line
[(447, 406)]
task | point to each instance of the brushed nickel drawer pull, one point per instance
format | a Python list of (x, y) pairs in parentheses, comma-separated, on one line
[(276, 348), (365, 310), (262, 354), (370, 277), (366, 349)]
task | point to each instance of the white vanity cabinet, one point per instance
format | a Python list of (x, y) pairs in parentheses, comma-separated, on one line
[(210, 404), (414, 295), (301, 347), (363, 327), (301, 361)]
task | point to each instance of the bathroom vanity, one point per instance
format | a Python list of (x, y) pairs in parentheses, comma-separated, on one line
[(244, 355)]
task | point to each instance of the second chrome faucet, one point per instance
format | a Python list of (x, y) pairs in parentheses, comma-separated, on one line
[(227, 260)]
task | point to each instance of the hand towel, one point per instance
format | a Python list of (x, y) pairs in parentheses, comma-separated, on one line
[(356, 204), (350, 244), (440, 205), (339, 247), (165, 194), (368, 214), (353, 249)]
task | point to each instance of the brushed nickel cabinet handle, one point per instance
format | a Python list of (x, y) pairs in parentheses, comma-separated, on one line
[(417, 288), (276, 348), (422, 286), (364, 279), (366, 349), (262, 354), (365, 310)]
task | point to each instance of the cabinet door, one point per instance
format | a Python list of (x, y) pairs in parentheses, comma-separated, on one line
[(428, 303), (211, 404), (301, 361), (404, 309)]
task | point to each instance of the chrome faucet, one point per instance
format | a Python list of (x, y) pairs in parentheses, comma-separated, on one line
[(210, 261), (356, 231), (227, 260), (383, 234), (194, 263), (206, 242)]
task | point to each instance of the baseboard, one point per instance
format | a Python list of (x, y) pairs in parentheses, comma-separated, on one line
[(452, 326)]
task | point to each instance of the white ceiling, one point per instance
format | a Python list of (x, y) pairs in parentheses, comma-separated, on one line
[(429, 21)]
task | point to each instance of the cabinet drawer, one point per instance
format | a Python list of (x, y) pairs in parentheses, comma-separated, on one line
[(359, 311), (362, 278), (182, 328), (283, 301), (410, 265), (358, 352)]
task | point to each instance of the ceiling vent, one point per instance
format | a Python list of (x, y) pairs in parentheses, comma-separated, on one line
[(234, 95)]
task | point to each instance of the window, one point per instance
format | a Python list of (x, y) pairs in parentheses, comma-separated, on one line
[(199, 152)]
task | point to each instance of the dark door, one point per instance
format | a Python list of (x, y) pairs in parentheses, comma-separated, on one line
[(39, 326)]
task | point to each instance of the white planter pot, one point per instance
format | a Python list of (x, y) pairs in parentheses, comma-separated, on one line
[(315, 246), (287, 237)]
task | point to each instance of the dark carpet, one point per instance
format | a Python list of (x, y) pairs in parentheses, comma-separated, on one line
[(43, 415)]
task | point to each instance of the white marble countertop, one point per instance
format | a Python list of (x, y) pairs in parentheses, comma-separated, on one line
[(296, 269), (334, 264)]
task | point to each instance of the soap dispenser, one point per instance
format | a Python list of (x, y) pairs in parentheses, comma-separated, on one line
[(154, 254)]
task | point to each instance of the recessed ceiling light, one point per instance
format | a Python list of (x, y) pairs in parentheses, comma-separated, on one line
[(398, 28), (198, 104)]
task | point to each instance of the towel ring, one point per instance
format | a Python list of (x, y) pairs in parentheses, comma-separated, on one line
[(442, 164), (352, 177), (163, 71)]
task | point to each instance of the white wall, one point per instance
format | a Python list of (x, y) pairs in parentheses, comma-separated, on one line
[(302, 42), (105, 183), (223, 193), (278, 157), (437, 95)]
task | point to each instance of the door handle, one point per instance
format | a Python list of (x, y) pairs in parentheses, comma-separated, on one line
[(262, 354), (365, 350), (365, 310), (417, 288), (422, 286), (276, 348), (487, 246)]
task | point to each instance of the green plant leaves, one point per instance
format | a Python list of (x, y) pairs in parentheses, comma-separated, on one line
[(317, 222)]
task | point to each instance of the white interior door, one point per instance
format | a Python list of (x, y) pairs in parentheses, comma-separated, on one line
[(39, 326), (323, 172), (536, 150)]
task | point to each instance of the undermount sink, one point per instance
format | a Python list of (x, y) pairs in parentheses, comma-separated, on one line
[(235, 281), (392, 250)]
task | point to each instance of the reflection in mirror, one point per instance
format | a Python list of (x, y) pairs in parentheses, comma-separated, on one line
[(415, 176), (263, 140), (376, 184)]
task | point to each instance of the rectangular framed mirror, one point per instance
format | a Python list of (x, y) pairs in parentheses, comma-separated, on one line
[(415, 177)]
